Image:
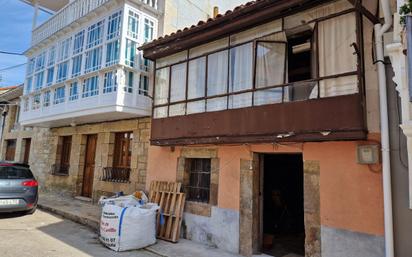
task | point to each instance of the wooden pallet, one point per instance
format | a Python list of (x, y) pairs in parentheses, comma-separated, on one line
[(171, 201), (171, 207), (158, 186)]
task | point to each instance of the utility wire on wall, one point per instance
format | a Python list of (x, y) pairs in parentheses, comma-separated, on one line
[(12, 67)]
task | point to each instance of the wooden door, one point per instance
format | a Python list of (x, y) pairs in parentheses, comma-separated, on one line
[(10, 150), (88, 173), (27, 145)]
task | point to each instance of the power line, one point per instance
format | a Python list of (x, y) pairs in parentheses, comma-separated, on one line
[(10, 53), (13, 67)]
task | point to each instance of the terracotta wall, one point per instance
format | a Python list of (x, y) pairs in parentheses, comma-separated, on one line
[(351, 194)]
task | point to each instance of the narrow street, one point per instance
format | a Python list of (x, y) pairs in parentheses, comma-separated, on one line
[(45, 235)]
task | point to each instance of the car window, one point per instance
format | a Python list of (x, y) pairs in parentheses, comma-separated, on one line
[(13, 172)]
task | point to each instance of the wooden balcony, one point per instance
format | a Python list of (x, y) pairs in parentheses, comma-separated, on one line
[(323, 119)]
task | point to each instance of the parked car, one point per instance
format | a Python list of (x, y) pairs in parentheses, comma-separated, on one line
[(18, 188)]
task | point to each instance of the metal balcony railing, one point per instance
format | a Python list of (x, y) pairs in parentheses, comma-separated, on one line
[(116, 175)]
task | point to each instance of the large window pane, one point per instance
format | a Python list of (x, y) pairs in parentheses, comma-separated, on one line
[(241, 68), (162, 86), (160, 112), (335, 39), (240, 101), (196, 107), (268, 96), (217, 72), (217, 104), (197, 78), (112, 52), (133, 25), (130, 52), (176, 110), (178, 83), (270, 64), (59, 95), (113, 26)]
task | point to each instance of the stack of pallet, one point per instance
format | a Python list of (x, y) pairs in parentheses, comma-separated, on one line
[(171, 201)]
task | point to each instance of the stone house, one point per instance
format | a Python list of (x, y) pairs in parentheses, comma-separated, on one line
[(269, 116)]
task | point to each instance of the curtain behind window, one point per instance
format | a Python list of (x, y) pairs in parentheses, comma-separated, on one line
[(178, 83), (270, 71), (336, 55), (162, 86)]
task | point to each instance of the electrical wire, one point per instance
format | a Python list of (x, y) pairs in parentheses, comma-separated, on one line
[(12, 67), (10, 53)]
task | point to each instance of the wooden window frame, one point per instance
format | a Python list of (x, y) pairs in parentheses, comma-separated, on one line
[(358, 72), (189, 185), (119, 160)]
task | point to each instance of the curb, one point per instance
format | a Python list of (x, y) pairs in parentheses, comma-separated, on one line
[(93, 224)]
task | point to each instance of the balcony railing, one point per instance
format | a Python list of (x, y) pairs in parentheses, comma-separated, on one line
[(60, 169), (116, 175), (70, 13)]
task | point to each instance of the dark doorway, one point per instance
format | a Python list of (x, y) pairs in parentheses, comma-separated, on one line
[(283, 215)]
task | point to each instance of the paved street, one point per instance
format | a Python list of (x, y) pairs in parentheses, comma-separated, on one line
[(46, 235)]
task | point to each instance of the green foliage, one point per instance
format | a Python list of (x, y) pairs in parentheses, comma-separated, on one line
[(405, 10)]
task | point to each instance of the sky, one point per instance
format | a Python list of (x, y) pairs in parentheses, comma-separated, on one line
[(15, 35)]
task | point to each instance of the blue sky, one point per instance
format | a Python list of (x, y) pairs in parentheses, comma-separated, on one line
[(15, 35)]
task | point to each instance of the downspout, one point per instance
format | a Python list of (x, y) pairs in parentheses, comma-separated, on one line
[(383, 102)]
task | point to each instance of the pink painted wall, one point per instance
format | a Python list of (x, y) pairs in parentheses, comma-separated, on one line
[(351, 194)]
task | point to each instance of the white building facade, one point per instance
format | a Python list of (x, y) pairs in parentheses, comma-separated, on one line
[(84, 67)]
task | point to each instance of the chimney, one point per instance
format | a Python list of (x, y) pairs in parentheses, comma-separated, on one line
[(215, 11)]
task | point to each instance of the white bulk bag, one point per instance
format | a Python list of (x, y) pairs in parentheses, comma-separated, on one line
[(128, 228)]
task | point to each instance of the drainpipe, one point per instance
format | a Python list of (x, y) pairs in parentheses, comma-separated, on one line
[(383, 101)]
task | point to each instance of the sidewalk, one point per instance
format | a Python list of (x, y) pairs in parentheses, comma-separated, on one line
[(89, 215)]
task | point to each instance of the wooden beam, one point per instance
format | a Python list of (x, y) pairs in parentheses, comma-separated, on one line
[(360, 8)]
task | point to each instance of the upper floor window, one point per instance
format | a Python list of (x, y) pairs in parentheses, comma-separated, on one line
[(90, 87), (25, 105), (93, 59), (64, 49), (62, 71), (40, 61), (36, 102), (74, 91), (271, 68), (113, 25), (95, 34), (29, 84), (112, 52), (30, 66), (144, 85), (131, 47), (76, 65), (38, 80), (133, 25), (129, 82), (59, 95), (50, 76), (51, 59), (46, 98), (148, 30), (110, 82), (78, 42)]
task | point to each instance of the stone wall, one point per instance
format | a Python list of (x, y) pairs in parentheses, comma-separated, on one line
[(72, 183)]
